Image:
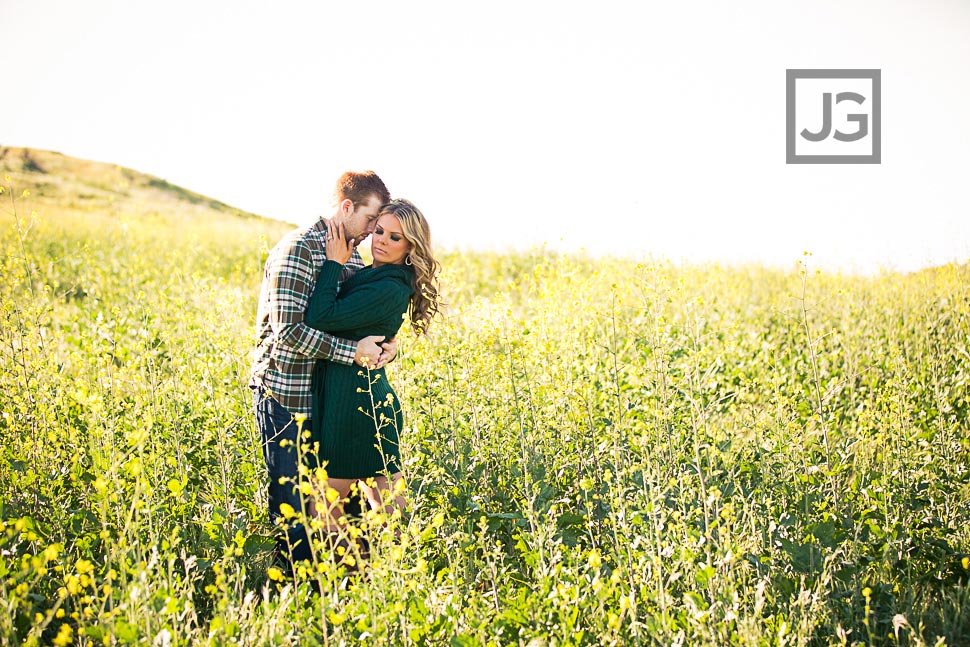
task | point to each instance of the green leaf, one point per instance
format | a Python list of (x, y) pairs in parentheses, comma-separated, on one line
[(257, 544), (97, 633), (125, 632), (464, 641)]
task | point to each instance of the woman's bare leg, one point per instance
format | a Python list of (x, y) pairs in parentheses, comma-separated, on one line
[(328, 505), (385, 495)]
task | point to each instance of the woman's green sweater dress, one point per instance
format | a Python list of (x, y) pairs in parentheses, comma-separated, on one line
[(356, 416)]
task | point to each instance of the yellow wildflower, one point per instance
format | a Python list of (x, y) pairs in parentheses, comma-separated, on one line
[(275, 574), (84, 566), (64, 635)]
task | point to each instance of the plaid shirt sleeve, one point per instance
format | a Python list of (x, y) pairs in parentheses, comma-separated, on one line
[(290, 277)]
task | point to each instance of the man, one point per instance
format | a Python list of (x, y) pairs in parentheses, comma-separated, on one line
[(287, 348)]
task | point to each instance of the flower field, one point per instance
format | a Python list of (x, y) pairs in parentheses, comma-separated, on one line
[(597, 451)]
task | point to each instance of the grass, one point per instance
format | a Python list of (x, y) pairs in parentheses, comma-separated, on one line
[(597, 452)]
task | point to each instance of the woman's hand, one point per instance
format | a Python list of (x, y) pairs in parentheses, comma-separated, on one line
[(388, 352), (368, 352), (338, 247)]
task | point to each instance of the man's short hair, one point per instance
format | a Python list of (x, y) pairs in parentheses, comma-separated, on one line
[(359, 186)]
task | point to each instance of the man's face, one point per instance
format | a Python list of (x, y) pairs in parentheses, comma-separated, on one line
[(360, 221)]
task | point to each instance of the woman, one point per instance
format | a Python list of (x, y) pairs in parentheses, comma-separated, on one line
[(356, 416)]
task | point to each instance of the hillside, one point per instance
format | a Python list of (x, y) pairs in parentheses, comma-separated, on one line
[(77, 185), (78, 227)]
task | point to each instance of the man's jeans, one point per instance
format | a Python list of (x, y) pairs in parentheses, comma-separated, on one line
[(277, 425)]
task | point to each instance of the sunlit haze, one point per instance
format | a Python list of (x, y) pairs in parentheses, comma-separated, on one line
[(655, 131)]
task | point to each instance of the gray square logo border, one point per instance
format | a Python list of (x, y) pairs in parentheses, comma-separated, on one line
[(875, 75)]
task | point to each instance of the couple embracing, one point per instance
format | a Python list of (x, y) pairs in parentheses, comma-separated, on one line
[(326, 327)]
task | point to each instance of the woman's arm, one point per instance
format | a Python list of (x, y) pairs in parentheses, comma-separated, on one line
[(368, 305)]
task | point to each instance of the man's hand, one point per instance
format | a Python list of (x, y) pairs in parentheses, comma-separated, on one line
[(368, 353), (337, 246), (388, 352)]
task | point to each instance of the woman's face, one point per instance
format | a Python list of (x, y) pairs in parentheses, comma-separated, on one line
[(388, 245)]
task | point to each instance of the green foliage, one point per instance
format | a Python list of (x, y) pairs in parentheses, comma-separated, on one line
[(597, 451)]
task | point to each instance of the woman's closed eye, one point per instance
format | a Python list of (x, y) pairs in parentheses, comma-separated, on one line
[(380, 232)]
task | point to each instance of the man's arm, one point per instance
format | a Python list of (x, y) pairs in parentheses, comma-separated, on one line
[(290, 277)]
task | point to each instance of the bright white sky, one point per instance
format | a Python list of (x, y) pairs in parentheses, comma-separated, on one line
[(654, 130)]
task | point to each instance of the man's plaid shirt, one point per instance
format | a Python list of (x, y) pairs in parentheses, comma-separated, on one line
[(286, 348)]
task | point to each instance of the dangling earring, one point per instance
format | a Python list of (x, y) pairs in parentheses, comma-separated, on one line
[(407, 260)]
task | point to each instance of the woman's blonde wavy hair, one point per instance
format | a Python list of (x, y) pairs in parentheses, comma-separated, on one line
[(424, 299)]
